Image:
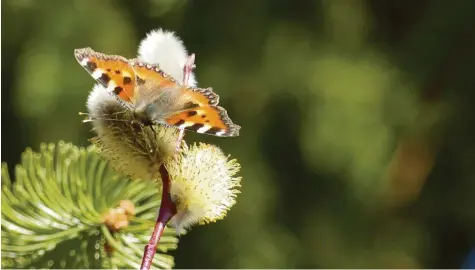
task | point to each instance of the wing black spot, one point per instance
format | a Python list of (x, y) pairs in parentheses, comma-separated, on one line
[(213, 130), (192, 113), (195, 127), (117, 71), (105, 78), (127, 80), (91, 66), (179, 123), (189, 105), (204, 116), (118, 90), (140, 81)]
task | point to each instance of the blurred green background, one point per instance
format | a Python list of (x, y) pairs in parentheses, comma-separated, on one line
[(357, 141)]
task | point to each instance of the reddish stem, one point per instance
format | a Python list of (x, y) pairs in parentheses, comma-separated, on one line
[(167, 211), (188, 69), (167, 207)]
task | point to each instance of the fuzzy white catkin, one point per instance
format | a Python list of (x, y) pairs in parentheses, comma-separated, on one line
[(166, 49), (204, 185), (134, 151)]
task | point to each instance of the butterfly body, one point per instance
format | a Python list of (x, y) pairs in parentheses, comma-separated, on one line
[(156, 98)]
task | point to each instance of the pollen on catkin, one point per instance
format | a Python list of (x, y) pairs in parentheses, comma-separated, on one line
[(132, 149), (203, 185)]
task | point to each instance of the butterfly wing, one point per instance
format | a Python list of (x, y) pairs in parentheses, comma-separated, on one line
[(112, 71), (191, 108), (152, 74), (211, 120)]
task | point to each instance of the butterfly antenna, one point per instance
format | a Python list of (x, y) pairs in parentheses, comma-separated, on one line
[(121, 112), (90, 119)]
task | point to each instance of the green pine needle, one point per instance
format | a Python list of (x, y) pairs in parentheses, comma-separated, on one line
[(52, 213)]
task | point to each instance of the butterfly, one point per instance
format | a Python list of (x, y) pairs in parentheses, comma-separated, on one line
[(155, 97)]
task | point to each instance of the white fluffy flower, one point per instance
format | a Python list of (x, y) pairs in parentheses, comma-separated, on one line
[(166, 49), (133, 150), (203, 185)]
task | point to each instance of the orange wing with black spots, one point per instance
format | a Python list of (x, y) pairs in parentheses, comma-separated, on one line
[(112, 71), (196, 108), (211, 120)]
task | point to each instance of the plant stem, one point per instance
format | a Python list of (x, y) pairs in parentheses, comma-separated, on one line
[(167, 211), (167, 207), (188, 68)]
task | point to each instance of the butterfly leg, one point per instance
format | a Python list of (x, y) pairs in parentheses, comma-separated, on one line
[(153, 130), (188, 68), (180, 138)]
